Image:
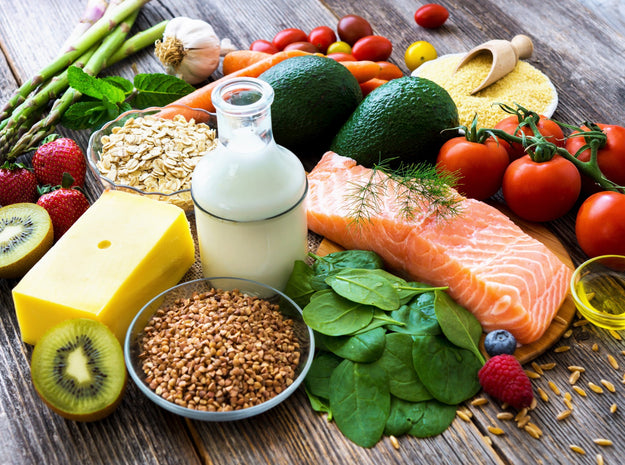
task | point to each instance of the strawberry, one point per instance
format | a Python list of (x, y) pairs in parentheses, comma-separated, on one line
[(17, 184), (56, 157), (65, 204), (503, 378)]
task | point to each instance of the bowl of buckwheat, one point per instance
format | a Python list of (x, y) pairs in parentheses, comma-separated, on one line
[(219, 349), (153, 152)]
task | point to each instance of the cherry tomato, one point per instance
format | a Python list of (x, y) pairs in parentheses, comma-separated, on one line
[(339, 47), (480, 166), (288, 36), (353, 27), (418, 53), (548, 128), (541, 191), (373, 48), (321, 37), (600, 224), (339, 56), (302, 45), (263, 46), (431, 15), (611, 157)]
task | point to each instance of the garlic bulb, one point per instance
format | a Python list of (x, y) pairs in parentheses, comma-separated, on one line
[(190, 49)]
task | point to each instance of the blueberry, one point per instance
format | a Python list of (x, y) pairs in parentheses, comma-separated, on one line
[(499, 342)]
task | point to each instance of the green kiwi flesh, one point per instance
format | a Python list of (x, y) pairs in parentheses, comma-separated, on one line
[(78, 369), (25, 236)]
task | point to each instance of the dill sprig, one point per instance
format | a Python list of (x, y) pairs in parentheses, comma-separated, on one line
[(418, 187)]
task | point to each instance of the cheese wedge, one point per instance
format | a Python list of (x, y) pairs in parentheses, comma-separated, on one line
[(124, 250)]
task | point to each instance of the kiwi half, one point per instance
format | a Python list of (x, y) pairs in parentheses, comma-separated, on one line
[(78, 369), (25, 236)]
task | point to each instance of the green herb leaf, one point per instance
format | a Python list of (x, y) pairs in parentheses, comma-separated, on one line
[(446, 370), (120, 82), (93, 87), (331, 314), (396, 360), (458, 324), (365, 287), (364, 347), (158, 89), (360, 401)]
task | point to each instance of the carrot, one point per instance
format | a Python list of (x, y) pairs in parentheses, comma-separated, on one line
[(362, 70), (201, 97), (370, 85), (238, 59), (389, 71)]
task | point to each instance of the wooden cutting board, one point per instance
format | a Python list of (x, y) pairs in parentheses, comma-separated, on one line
[(565, 314)]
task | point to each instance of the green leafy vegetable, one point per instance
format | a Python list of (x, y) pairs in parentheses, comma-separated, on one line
[(420, 419), (366, 288), (363, 347), (418, 316), (447, 371), (317, 380), (298, 286), (458, 324), (318, 404), (360, 401), (331, 314)]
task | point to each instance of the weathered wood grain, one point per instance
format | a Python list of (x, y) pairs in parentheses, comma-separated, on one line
[(579, 44)]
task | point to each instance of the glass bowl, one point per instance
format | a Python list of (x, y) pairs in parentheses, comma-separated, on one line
[(598, 289), (136, 182), (134, 346)]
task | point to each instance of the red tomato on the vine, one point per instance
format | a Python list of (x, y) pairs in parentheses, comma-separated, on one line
[(373, 48), (611, 157), (288, 36), (541, 191), (321, 37), (480, 166), (548, 128), (600, 224), (265, 46), (431, 15)]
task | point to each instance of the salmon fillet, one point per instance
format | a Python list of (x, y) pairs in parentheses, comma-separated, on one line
[(506, 278)]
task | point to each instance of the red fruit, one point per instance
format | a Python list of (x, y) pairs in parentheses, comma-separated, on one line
[(17, 184), (503, 378), (64, 205), (62, 155)]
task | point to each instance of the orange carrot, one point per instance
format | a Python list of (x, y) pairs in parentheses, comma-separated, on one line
[(201, 97), (389, 71), (362, 70), (370, 85), (238, 59)]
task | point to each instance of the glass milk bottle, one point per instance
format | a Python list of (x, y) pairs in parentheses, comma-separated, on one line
[(249, 192)]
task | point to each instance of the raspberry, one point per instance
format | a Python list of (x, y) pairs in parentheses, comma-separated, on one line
[(503, 378)]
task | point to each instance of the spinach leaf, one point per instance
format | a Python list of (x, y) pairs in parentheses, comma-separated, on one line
[(365, 287), (331, 314), (363, 347), (402, 417), (363, 259), (396, 360), (360, 401), (418, 316), (434, 419), (446, 370), (319, 405), (380, 319), (298, 286), (458, 324), (317, 379)]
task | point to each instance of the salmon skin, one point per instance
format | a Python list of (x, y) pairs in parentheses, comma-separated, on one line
[(506, 278)]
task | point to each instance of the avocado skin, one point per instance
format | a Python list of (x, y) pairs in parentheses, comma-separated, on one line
[(313, 97), (406, 121)]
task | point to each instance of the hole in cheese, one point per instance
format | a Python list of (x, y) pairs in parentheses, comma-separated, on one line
[(105, 244)]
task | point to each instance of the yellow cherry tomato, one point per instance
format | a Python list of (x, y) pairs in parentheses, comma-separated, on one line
[(418, 53), (339, 47)]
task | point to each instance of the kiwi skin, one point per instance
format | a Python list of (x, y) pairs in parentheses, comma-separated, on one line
[(24, 259), (43, 369)]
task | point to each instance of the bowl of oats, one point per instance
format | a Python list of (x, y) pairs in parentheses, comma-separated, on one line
[(143, 153), (219, 349)]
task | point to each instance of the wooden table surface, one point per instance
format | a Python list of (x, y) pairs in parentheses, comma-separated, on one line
[(580, 44)]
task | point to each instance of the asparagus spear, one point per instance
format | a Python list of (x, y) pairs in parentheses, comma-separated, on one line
[(94, 65), (93, 35), (138, 41), (93, 11)]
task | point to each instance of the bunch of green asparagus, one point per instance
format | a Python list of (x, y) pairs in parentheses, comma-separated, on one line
[(100, 39)]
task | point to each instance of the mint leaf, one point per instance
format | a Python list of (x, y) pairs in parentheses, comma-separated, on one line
[(83, 114), (121, 82), (158, 90), (94, 87)]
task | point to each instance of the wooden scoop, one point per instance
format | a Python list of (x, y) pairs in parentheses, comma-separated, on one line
[(505, 53)]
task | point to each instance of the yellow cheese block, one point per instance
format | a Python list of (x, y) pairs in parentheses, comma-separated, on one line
[(124, 250)]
